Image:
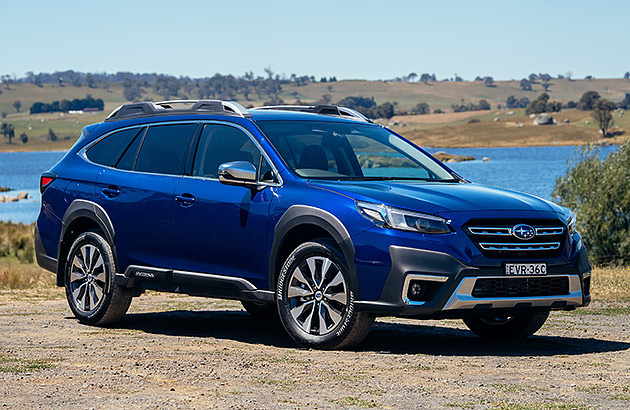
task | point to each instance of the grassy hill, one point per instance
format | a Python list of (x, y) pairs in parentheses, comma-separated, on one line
[(455, 131)]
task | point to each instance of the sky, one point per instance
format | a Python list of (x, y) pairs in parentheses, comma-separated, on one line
[(347, 39)]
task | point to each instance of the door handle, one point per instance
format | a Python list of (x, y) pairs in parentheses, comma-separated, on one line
[(111, 191), (185, 199)]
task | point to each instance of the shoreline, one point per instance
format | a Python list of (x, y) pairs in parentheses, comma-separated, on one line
[(500, 144)]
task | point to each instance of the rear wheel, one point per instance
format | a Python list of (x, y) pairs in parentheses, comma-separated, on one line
[(93, 296), (506, 327), (315, 301)]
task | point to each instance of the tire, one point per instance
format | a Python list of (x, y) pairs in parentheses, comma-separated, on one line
[(315, 300), (93, 296), (261, 310), (506, 328)]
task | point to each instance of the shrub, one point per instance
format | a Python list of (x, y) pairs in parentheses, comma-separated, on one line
[(597, 190), (16, 240)]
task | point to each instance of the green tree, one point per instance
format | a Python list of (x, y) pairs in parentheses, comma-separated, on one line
[(24, 138), (587, 100), (526, 85), (597, 190), (488, 82), (602, 114), (421, 108), (51, 135), (132, 90), (8, 130), (17, 104), (385, 110), (542, 104)]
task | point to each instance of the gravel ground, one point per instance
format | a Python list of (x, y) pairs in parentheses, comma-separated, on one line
[(174, 351)]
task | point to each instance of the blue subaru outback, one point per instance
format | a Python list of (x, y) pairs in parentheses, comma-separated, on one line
[(310, 213)]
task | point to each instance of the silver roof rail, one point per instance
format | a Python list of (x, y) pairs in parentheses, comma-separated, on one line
[(319, 109), (150, 108)]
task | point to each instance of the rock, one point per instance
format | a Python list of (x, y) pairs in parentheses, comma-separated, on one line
[(566, 120), (4, 189), (520, 125), (587, 122), (11, 199), (2, 199), (532, 115), (496, 119), (451, 158), (543, 119), (22, 195), (485, 159), (510, 113)]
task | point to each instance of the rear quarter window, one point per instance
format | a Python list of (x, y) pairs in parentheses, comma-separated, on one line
[(108, 150)]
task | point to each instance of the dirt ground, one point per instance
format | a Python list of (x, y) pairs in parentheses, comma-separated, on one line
[(174, 351)]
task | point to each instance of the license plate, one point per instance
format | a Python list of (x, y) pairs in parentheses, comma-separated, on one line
[(516, 269)]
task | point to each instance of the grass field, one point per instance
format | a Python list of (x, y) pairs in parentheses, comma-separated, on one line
[(500, 128), (450, 129)]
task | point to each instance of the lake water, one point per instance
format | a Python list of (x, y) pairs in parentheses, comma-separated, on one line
[(526, 169)]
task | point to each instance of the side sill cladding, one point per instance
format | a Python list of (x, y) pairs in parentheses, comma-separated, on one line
[(81, 208), (305, 215)]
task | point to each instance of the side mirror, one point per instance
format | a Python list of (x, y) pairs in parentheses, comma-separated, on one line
[(238, 173)]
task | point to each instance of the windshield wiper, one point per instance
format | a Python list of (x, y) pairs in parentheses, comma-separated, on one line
[(391, 178)]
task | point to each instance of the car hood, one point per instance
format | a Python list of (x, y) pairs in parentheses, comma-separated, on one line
[(435, 198)]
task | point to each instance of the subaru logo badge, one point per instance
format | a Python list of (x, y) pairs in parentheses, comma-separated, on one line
[(524, 232)]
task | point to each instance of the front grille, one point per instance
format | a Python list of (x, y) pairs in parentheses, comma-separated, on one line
[(551, 246), (495, 238), (521, 287)]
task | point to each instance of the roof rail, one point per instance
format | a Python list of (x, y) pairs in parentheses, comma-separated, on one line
[(323, 109), (150, 109)]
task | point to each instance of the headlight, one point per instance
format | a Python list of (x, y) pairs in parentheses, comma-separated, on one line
[(388, 217), (570, 220)]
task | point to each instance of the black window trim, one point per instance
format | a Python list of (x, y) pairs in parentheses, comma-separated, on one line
[(194, 141), (83, 151)]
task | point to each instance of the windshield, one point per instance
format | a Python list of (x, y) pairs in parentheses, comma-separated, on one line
[(334, 150)]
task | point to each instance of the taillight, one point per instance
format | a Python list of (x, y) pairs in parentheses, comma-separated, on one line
[(45, 180)]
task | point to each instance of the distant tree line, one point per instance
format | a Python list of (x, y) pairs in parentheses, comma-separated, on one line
[(136, 85), (67, 105), (482, 105), (513, 102), (368, 107)]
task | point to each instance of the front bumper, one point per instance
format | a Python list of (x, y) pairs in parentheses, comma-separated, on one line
[(450, 285)]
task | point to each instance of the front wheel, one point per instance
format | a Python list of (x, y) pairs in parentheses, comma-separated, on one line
[(93, 296), (315, 301), (506, 327)]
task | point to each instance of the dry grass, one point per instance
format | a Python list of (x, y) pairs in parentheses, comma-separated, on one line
[(611, 283), (16, 240), (16, 275)]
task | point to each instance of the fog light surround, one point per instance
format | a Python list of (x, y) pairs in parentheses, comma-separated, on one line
[(420, 288)]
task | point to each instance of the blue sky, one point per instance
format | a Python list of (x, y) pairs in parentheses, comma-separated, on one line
[(347, 39)]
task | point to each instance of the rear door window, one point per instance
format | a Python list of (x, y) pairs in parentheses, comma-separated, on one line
[(108, 150), (165, 149)]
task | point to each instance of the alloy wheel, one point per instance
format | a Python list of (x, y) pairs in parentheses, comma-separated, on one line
[(317, 295), (87, 278)]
